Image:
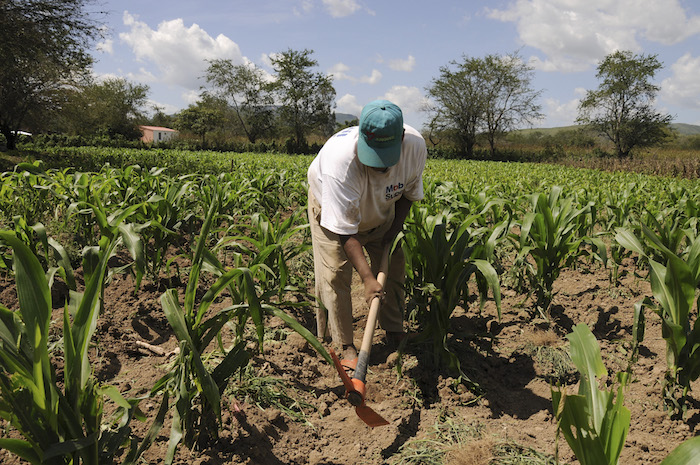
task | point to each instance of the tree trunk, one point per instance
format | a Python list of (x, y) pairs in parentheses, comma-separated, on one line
[(11, 138)]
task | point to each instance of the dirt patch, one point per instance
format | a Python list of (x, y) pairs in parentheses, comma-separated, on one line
[(513, 360)]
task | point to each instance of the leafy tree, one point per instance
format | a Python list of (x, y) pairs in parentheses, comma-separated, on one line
[(200, 118), (306, 97), (621, 107), (110, 108), (43, 46), (247, 91), (457, 106), (510, 100), (159, 118), (491, 95)]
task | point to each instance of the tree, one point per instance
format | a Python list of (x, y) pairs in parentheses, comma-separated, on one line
[(306, 97), (200, 118), (510, 100), (491, 95), (43, 46), (246, 90), (457, 103), (109, 108), (621, 108)]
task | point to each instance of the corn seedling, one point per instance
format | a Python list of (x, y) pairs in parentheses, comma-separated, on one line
[(549, 235), (190, 382), (439, 263), (58, 425), (269, 242), (594, 422), (673, 286)]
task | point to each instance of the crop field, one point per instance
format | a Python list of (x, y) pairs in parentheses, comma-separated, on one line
[(157, 307)]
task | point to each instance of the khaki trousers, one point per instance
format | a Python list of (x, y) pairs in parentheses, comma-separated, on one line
[(333, 278)]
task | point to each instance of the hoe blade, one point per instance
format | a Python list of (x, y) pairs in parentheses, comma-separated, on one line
[(366, 414), (370, 417)]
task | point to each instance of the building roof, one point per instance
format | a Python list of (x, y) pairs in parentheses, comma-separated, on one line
[(157, 128)]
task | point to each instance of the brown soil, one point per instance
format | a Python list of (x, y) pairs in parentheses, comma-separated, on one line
[(515, 405)]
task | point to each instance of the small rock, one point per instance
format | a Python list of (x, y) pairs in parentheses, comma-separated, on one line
[(392, 359)]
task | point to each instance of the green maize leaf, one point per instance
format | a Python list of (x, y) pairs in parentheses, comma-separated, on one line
[(35, 307), (85, 319), (687, 453), (175, 317), (176, 432), (63, 261), (190, 292), (673, 287), (525, 228), (301, 330), (10, 328), (585, 354), (22, 449), (222, 283), (615, 427), (254, 305), (628, 240), (134, 244), (69, 447), (235, 359), (134, 454), (600, 249), (491, 276)]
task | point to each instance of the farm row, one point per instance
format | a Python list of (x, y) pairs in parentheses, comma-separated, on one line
[(225, 241)]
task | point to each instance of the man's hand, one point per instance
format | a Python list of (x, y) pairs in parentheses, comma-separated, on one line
[(373, 289)]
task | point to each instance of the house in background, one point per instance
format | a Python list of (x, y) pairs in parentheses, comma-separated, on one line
[(156, 134)]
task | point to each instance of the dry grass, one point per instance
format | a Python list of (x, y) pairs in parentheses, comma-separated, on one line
[(477, 452)]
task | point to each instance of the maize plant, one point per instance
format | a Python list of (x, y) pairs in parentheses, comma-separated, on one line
[(440, 261), (593, 422), (549, 235), (673, 285), (190, 382), (270, 242), (59, 423)]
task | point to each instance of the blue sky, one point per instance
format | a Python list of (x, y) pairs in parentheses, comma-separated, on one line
[(393, 49)]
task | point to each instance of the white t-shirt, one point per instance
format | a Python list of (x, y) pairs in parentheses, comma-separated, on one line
[(356, 198)]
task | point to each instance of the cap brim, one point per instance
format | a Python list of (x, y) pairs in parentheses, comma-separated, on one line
[(378, 157)]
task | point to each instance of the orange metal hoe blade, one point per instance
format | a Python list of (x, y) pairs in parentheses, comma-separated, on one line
[(355, 393), (370, 417)]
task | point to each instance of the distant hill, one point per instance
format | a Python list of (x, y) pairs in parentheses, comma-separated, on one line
[(682, 129), (342, 118), (686, 129)]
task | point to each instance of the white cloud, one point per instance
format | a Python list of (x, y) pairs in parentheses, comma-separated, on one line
[(348, 104), (372, 79), (575, 34), (177, 51), (409, 99), (683, 87), (341, 8), (142, 76), (190, 97), (560, 114), (340, 72), (403, 65), (306, 7), (106, 46)]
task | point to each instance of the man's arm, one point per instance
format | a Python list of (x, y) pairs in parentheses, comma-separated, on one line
[(356, 255), (401, 209)]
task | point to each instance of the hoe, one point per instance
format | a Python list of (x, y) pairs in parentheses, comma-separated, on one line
[(355, 387)]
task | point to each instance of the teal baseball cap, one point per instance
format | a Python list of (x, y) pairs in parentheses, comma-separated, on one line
[(381, 132)]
